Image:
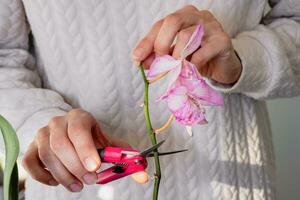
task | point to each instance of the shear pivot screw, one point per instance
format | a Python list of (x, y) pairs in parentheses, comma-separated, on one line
[(137, 162)]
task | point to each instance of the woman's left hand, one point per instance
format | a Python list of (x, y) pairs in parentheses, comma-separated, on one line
[(215, 59)]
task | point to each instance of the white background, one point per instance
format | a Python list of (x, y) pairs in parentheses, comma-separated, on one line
[(285, 120)]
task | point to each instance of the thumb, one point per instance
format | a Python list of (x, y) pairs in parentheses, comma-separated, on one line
[(140, 177)]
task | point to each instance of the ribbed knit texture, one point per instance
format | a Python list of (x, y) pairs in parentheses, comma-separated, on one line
[(82, 53)]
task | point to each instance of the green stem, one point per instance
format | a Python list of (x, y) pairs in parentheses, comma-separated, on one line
[(151, 135)]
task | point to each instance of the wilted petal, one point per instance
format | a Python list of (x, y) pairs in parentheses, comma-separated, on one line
[(194, 42), (173, 75), (189, 114), (176, 98), (206, 95), (183, 108), (197, 86), (189, 76), (162, 64)]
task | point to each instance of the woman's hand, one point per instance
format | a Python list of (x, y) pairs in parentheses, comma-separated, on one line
[(65, 151), (215, 59)]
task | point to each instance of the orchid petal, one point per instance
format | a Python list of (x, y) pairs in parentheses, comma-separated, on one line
[(187, 91), (177, 98), (173, 76), (189, 114), (194, 42), (206, 95), (197, 86), (162, 64), (213, 99), (184, 109)]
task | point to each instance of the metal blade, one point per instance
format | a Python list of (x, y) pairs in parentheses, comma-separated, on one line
[(167, 153), (150, 149)]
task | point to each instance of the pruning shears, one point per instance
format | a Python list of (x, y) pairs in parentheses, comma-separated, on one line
[(126, 161)]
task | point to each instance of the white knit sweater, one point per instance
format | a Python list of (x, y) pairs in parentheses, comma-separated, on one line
[(82, 59)]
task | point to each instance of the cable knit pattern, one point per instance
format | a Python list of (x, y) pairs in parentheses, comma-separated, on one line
[(82, 55)]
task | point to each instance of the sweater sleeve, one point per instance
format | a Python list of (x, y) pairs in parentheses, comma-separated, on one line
[(270, 55), (22, 100)]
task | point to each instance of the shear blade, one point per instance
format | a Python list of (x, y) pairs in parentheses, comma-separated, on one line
[(166, 153), (151, 149)]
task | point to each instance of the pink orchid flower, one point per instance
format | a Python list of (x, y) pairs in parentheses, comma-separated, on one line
[(187, 92)]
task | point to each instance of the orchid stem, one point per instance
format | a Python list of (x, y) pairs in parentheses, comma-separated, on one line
[(152, 136)]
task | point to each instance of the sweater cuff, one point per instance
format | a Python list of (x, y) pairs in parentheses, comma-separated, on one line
[(254, 73)]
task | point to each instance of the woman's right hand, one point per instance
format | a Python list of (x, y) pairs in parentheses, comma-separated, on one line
[(65, 151)]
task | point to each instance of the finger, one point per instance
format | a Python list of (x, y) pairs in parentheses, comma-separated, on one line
[(80, 127), (172, 24), (148, 61), (212, 26), (140, 177), (182, 39), (54, 165), (214, 46), (203, 70), (62, 147), (35, 168), (145, 46)]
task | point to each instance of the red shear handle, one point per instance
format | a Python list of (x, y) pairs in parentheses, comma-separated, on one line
[(114, 154), (125, 162), (116, 172), (109, 175)]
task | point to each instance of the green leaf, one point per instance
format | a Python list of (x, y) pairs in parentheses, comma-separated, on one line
[(11, 179)]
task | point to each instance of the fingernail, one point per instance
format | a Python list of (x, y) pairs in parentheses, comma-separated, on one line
[(90, 164), (137, 63), (137, 53), (89, 178), (53, 182), (75, 187)]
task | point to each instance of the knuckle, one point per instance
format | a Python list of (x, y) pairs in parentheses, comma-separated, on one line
[(158, 23), (191, 7), (225, 39), (58, 144), (173, 18), (198, 62), (207, 14), (87, 115), (78, 170), (55, 121), (76, 111), (41, 133), (216, 25), (76, 127), (184, 34), (145, 41), (45, 156), (160, 47), (36, 177), (27, 159)]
